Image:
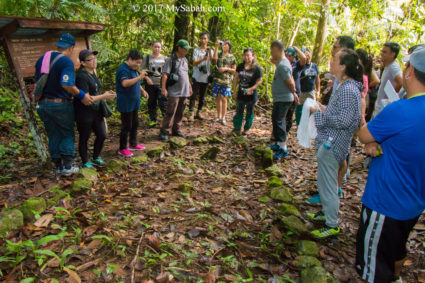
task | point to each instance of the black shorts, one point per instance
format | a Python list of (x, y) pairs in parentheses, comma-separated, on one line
[(381, 241)]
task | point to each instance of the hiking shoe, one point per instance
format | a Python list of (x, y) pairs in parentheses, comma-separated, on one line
[(70, 171), (275, 147), (319, 216), (98, 162), (325, 232), (152, 124), (88, 164), (163, 136), (236, 132), (316, 197), (198, 116), (280, 154), (125, 152), (223, 122), (245, 132), (178, 134), (137, 147)]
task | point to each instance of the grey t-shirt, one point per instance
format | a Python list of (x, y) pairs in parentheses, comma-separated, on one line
[(197, 74), (181, 88), (389, 74), (155, 65), (280, 90)]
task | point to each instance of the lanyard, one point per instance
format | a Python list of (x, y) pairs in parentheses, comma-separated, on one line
[(416, 95)]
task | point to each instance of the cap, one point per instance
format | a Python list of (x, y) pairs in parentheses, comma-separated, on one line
[(417, 59), (291, 51), (184, 44), (65, 40), (85, 53)]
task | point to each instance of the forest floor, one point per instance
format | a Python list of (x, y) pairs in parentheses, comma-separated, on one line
[(140, 224)]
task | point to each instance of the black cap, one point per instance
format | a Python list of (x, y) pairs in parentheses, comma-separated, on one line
[(85, 53)]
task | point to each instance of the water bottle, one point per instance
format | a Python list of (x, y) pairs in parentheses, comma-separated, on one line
[(328, 143)]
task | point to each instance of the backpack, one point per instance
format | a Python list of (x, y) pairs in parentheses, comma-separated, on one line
[(174, 74), (40, 84)]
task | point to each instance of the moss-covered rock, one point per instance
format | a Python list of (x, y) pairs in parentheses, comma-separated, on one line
[(307, 262), (240, 140), (288, 209), (81, 184), (155, 151), (274, 182), (58, 194), (115, 166), (211, 153), (274, 171), (308, 248), (88, 173), (317, 275), (140, 159), (215, 139), (281, 194), (12, 219), (33, 206), (263, 156), (185, 187), (200, 140), (177, 142), (294, 224)]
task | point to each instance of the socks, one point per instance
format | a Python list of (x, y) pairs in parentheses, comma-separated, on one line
[(283, 146)]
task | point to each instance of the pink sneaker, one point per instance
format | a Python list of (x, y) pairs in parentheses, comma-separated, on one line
[(137, 147), (125, 152)]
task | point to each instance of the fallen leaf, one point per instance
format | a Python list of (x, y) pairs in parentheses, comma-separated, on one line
[(154, 242), (275, 234), (44, 220), (73, 276)]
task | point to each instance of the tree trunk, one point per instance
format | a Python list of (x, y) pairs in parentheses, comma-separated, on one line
[(214, 28), (321, 32), (181, 22), (295, 32)]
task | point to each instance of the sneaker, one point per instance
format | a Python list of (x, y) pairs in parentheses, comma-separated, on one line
[(178, 134), (137, 147), (223, 122), (245, 132), (125, 152), (191, 116), (58, 170), (88, 164), (274, 147), (319, 216), (316, 197), (98, 162), (163, 136), (198, 116), (280, 154), (216, 120), (70, 171), (152, 124), (325, 232)]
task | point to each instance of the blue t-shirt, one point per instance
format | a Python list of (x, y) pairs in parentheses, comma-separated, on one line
[(396, 183), (62, 74), (128, 98), (307, 75)]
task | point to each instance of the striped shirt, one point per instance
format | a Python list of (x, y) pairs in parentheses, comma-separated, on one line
[(340, 119)]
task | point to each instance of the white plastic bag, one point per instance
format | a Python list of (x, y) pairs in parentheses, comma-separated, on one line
[(307, 127)]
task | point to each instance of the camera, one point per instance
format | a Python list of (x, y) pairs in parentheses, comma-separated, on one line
[(150, 73), (221, 42), (203, 69), (244, 90), (174, 77)]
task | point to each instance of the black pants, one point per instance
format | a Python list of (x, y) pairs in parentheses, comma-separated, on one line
[(198, 89), (280, 109), (155, 99), (290, 117), (129, 124), (85, 127)]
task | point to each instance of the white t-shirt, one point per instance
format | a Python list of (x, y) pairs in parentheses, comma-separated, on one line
[(197, 74), (390, 72)]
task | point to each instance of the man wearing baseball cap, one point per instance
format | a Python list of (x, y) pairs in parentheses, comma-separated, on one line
[(55, 107), (176, 68), (394, 196)]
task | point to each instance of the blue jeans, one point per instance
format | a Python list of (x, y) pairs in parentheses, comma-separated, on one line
[(58, 120)]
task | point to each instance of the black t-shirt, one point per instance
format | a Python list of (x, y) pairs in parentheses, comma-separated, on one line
[(307, 76), (89, 83), (247, 79)]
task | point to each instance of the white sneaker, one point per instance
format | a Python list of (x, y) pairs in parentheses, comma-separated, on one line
[(216, 120), (70, 171), (223, 122)]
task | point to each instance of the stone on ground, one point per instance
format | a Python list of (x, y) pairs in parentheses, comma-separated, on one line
[(263, 156), (140, 159), (177, 142), (281, 194), (12, 219), (115, 165), (288, 209), (211, 154), (294, 224), (240, 140), (81, 184), (306, 261), (274, 182), (155, 151), (317, 275), (274, 171), (32, 206), (200, 140), (88, 173), (186, 187), (308, 248)]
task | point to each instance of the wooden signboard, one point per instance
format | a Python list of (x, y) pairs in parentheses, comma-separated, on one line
[(28, 50)]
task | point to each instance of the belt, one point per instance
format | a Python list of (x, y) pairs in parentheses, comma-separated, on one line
[(57, 100)]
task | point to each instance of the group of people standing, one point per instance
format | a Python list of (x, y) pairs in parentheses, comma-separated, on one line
[(394, 196)]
